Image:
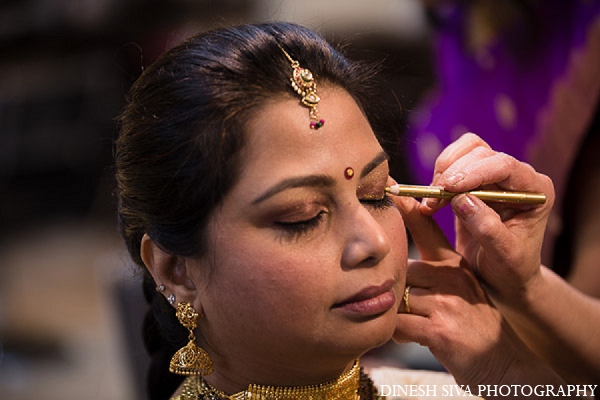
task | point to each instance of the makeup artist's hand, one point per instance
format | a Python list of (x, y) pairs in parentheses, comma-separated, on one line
[(501, 244), (451, 314), (500, 241)]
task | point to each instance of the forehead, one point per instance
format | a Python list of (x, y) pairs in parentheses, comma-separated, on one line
[(280, 141)]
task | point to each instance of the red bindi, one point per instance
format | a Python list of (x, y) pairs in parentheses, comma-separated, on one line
[(349, 173)]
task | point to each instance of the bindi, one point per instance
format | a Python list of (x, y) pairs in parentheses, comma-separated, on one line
[(349, 173)]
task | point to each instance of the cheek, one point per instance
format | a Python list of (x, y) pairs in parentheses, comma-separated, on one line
[(269, 297), (399, 234), (268, 275), (393, 224)]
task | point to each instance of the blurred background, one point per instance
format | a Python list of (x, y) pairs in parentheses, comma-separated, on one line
[(69, 297)]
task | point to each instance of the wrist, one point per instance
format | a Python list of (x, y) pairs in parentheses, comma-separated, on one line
[(522, 296)]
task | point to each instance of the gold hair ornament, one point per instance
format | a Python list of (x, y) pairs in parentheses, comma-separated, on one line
[(303, 83), (190, 359)]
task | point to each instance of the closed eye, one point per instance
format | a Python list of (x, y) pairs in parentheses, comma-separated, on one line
[(297, 228), (377, 203)]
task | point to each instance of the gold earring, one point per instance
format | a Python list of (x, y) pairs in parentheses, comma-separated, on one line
[(190, 359)]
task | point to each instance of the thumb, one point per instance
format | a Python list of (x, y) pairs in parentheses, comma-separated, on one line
[(427, 236)]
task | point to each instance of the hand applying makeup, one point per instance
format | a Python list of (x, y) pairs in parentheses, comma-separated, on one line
[(491, 236), (502, 246), (451, 314)]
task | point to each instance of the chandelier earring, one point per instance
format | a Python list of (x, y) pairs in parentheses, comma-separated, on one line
[(190, 359)]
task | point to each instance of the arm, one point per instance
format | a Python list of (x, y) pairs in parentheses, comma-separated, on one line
[(582, 217), (560, 323)]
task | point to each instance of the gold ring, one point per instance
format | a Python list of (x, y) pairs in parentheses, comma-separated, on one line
[(405, 298)]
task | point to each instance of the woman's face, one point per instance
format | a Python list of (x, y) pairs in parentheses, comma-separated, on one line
[(306, 264)]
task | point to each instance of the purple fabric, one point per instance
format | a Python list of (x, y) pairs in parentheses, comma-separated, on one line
[(499, 92)]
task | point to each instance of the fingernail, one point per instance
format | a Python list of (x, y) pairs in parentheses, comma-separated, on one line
[(452, 180), (430, 202), (464, 206)]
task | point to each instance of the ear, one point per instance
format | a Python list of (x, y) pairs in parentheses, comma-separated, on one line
[(168, 270)]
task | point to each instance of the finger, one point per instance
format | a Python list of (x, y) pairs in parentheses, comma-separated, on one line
[(414, 301), (468, 148), (410, 328), (500, 170), (427, 236), (460, 168), (390, 181), (455, 151), (432, 275), (410, 324), (424, 319), (497, 243)]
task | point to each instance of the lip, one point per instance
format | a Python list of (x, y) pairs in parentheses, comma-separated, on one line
[(371, 300)]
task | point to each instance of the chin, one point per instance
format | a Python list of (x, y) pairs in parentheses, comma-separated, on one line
[(368, 335)]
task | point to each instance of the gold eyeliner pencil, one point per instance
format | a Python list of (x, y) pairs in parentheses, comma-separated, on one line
[(437, 192)]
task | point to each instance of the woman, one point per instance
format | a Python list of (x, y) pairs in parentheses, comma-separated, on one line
[(255, 200)]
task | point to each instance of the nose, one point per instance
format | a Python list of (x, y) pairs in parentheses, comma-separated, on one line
[(366, 242)]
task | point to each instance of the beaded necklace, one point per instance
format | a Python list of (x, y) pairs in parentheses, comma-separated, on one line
[(353, 385)]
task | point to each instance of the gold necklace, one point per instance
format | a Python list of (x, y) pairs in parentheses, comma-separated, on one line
[(353, 385)]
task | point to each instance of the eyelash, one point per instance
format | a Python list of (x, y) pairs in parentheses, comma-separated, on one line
[(378, 204), (299, 228)]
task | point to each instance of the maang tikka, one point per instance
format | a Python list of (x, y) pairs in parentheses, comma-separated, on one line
[(190, 359), (303, 83)]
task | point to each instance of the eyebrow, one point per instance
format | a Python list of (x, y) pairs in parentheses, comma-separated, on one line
[(303, 181), (316, 180), (378, 160)]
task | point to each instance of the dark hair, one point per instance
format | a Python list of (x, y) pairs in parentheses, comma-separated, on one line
[(178, 152)]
